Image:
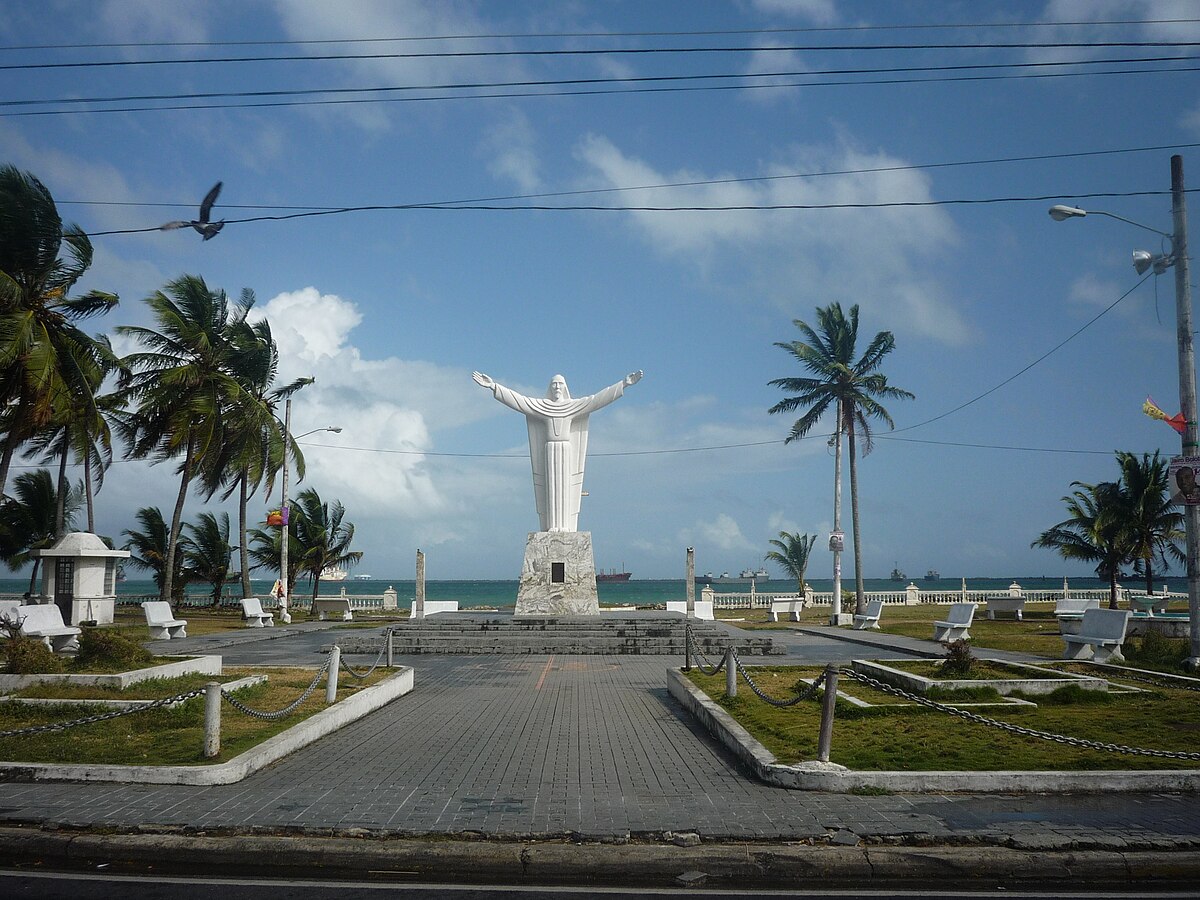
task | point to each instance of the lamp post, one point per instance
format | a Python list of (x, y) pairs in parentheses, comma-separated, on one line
[(1177, 258), (285, 588)]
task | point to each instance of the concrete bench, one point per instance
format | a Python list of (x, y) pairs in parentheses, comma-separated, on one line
[(44, 620), (432, 607), (1099, 637), (8, 610), (1066, 607), (252, 612), (1005, 604), (337, 605), (955, 626), (788, 606), (162, 622), (703, 608), (1149, 603), (869, 617)]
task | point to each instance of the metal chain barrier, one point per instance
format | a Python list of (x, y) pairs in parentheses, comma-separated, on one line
[(704, 665), (1015, 729), (345, 666), (809, 694), (278, 714), (115, 714)]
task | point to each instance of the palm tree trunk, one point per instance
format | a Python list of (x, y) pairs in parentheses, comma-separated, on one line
[(1149, 576), (37, 561), (87, 486), (177, 523), (60, 506), (1112, 588), (858, 569), (6, 458), (243, 551)]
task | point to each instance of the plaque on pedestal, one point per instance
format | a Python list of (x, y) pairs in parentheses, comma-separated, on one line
[(558, 577)]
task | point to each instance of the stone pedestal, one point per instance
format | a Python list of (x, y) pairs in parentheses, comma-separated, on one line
[(558, 577)]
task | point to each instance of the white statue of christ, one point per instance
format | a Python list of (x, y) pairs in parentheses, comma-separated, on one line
[(558, 430)]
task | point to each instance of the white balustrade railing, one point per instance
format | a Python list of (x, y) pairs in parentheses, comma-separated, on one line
[(914, 596)]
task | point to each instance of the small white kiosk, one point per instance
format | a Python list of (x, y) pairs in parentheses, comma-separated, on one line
[(79, 574)]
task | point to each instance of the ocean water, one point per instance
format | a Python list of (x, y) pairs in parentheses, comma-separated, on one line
[(634, 591)]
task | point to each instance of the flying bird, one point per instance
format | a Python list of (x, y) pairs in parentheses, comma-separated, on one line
[(202, 225)]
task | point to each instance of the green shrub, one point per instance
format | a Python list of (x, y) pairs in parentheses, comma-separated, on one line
[(29, 656), (959, 660), (109, 648), (1156, 650)]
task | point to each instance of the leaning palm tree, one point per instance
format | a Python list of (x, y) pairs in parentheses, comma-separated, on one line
[(183, 384), (324, 538), (791, 554), (148, 548), (206, 557), (44, 356), (1155, 527), (852, 387), (1094, 532), (29, 519)]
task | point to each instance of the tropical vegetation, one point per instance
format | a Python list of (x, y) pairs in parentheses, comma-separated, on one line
[(791, 554), (852, 387)]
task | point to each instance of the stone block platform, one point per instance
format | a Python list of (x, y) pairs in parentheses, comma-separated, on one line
[(638, 633)]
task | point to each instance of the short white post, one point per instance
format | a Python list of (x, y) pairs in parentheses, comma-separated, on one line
[(829, 704), (212, 719), (389, 648), (331, 680), (418, 607), (730, 673), (912, 595), (964, 591), (1014, 590), (389, 598)]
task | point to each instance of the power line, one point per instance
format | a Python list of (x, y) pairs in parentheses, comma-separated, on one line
[(480, 85), (601, 34), (671, 89), (601, 51), (747, 207), (700, 183), (888, 437)]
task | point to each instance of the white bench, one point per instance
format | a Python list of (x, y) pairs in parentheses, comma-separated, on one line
[(162, 622), (433, 607), (1099, 637), (323, 605), (45, 621), (1005, 604), (1150, 603), (788, 606), (8, 610), (252, 612), (703, 609), (1066, 607), (869, 617), (958, 620)]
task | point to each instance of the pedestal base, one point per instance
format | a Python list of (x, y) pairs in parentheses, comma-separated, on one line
[(558, 577)]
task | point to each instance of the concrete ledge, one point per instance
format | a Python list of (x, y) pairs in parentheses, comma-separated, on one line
[(740, 865), (189, 665), (815, 776), (317, 726)]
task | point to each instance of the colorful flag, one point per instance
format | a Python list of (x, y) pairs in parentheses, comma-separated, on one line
[(1177, 421), (278, 517)]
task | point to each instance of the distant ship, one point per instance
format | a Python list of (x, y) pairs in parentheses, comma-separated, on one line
[(933, 575), (612, 575), (333, 573), (363, 577), (747, 576), (897, 575)]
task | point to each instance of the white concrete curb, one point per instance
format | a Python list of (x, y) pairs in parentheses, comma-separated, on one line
[(815, 776), (326, 721)]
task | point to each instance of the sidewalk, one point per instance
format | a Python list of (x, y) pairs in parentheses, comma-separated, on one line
[(585, 749)]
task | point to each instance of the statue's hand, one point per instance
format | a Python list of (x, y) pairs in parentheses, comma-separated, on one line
[(633, 378), (483, 380)]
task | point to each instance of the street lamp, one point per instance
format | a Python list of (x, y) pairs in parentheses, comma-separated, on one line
[(284, 588), (1143, 261)]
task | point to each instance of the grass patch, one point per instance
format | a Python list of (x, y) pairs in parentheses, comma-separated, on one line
[(163, 736), (914, 738)]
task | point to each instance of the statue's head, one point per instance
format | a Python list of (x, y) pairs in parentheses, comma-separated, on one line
[(558, 389)]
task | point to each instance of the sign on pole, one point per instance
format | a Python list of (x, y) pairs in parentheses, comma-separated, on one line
[(1185, 480)]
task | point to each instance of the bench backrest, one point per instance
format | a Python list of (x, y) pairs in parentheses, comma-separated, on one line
[(784, 604), (157, 611), (1069, 607), (39, 616), (8, 610), (251, 607), (873, 609), (1105, 623), (961, 613)]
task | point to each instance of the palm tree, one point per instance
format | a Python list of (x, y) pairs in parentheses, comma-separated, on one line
[(1155, 527), (44, 358), (852, 387), (323, 537), (184, 386), (1095, 531), (29, 519), (265, 546), (149, 551), (206, 557), (791, 553)]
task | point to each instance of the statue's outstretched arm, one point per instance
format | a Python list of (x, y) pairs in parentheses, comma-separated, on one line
[(483, 380)]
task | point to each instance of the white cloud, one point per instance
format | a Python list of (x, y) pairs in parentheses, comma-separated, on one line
[(511, 152), (721, 532), (153, 20), (822, 11), (775, 251)]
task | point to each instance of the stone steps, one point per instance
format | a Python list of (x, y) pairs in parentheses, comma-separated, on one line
[(585, 635)]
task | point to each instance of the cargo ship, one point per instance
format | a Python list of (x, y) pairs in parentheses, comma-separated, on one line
[(613, 575)]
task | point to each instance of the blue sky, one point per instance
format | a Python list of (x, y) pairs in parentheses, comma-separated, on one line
[(391, 310)]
